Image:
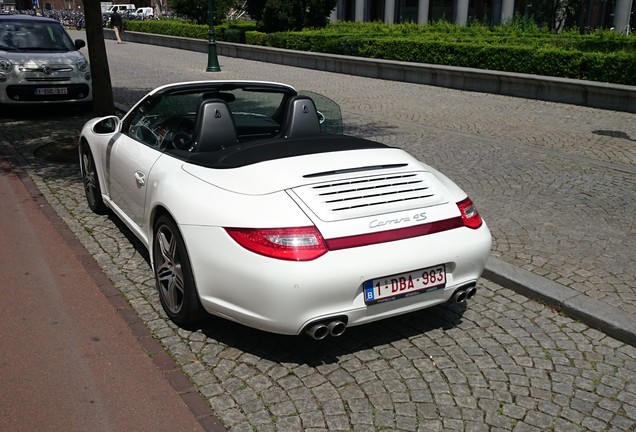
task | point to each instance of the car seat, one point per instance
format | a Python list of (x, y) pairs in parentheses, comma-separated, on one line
[(300, 118), (214, 127)]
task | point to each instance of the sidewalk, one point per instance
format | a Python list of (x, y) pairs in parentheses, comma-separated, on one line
[(74, 355)]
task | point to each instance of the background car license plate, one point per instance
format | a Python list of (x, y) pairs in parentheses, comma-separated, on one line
[(51, 91), (406, 284)]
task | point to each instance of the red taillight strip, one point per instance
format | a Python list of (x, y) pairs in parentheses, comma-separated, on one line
[(293, 244), (471, 216), (393, 235)]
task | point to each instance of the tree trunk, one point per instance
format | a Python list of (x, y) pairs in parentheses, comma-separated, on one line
[(103, 103)]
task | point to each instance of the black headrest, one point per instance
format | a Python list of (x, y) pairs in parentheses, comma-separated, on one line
[(301, 118), (214, 127)]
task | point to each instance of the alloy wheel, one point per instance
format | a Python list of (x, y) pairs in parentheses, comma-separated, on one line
[(169, 271)]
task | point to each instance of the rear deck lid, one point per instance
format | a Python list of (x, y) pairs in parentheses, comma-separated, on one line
[(373, 195)]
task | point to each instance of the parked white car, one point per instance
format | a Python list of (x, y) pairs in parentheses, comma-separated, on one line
[(40, 63), (122, 8), (144, 12), (256, 208)]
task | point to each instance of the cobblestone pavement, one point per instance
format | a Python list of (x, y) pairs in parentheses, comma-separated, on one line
[(502, 363), (556, 183)]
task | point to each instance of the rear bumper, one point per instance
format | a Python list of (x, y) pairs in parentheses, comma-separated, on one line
[(285, 296)]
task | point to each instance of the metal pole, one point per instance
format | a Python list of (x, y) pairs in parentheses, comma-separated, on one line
[(213, 61)]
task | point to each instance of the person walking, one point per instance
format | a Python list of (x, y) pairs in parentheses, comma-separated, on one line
[(117, 25)]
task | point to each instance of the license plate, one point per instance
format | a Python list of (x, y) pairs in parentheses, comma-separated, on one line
[(404, 285), (51, 91)]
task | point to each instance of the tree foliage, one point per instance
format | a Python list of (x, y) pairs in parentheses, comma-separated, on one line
[(197, 10), (283, 15), (271, 15)]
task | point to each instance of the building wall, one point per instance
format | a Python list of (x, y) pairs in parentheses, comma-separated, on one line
[(424, 11), (7, 5), (620, 14), (42, 4)]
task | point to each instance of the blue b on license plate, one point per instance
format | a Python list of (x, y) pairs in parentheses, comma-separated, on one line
[(405, 284)]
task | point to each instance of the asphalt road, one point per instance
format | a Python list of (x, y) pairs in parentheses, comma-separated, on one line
[(556, 185)]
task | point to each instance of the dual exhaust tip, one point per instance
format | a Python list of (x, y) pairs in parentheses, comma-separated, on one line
[(320, 330), (463, 294), (337, 326)]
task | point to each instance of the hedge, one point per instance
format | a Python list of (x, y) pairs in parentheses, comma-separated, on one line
[(602, 56), (231, 31)]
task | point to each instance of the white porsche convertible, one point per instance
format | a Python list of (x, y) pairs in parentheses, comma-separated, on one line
[(256, 208)]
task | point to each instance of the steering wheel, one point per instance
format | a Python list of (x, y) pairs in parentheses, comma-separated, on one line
[(179, 133), (181, 140)]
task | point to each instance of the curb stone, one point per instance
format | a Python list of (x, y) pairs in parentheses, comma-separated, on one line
[(594, 313)]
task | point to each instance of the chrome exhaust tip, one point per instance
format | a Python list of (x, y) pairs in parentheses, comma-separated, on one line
[(459, 296), (470, 292), (317, 331), (336, 328)]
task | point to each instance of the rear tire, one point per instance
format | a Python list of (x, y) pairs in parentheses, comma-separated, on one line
[(173, 274)]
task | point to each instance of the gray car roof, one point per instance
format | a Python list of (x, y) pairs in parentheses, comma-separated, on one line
[(24, 17)]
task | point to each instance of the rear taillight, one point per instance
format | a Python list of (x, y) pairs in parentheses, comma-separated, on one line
[(293, 244), (470, 215)]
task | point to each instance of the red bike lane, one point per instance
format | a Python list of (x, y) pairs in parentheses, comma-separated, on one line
[(72, 355)]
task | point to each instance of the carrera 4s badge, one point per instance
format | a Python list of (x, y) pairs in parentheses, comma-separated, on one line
[(377, 223)]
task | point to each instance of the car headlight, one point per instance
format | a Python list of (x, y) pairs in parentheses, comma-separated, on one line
[(82, 64), (6, 65)]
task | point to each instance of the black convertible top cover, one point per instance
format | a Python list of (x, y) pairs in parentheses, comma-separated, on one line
[(253, 152)]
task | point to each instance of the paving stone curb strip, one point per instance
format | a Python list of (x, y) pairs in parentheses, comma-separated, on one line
[(595, 313), (577, 92)]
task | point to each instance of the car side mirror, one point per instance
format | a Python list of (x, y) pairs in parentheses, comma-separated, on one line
[(107, 125), (79, 44)]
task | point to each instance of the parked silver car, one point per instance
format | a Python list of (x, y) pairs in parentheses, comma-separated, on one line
[(40, 63)]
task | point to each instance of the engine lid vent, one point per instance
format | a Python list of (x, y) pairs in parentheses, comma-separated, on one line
[(371, 195)]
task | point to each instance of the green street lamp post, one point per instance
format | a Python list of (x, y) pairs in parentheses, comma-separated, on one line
[(213, 61)]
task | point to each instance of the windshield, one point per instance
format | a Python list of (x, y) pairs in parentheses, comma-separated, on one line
[(34, 36), (176, 117), (255, 113)]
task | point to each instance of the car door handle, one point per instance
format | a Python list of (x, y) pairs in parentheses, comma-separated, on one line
[(140, 178)]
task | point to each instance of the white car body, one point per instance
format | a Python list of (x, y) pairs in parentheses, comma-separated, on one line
[(144, 12), (122, 8), (373, 205), (39, 63)]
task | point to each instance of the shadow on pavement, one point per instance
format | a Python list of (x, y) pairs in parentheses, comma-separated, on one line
[(302, 350), (53, 139), (613, 134)]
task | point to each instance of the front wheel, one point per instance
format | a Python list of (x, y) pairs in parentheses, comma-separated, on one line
[(173, 274), (90, 181)]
